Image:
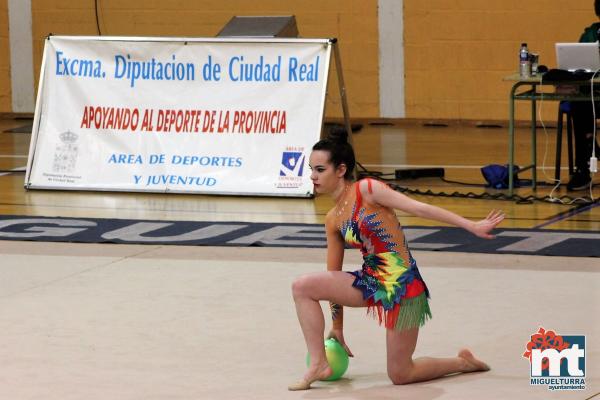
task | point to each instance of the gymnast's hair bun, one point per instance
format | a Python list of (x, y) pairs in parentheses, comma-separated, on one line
[(338, 134)]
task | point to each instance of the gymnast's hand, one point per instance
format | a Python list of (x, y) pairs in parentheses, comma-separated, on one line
[(338, 335), (485, 226)]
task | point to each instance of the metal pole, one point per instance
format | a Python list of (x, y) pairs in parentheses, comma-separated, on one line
[(511, 137), (533, 140), (340, 75), (342, 87)]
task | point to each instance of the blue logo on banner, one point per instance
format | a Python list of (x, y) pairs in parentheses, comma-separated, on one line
[(292, 164)]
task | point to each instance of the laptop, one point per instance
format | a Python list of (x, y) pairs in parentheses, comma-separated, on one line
[(578, 56)]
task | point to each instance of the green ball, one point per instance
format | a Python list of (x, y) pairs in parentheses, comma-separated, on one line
[(336, 357)]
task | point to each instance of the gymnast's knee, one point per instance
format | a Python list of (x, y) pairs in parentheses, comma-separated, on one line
[(300, 287)]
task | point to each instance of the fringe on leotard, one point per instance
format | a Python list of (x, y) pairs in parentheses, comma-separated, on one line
[(409, 313)]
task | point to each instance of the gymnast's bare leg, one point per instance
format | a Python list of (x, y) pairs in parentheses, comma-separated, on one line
[(308, 290)]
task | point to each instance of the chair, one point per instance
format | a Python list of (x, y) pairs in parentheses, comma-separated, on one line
[(564, 110)]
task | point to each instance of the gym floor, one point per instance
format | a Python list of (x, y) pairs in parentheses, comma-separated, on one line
[(182, 322)]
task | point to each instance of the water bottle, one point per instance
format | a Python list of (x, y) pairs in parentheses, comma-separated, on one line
[(524, 62)]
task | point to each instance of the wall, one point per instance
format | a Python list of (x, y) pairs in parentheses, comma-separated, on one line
[(353, 22), (5, 91), (457, 52)]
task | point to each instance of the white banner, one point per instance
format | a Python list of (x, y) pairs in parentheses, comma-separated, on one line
[(178, 115)]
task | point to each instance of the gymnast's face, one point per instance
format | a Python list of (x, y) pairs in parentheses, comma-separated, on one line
[(325, 177)]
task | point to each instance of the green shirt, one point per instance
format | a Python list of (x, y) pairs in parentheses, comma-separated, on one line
[(590, 34)]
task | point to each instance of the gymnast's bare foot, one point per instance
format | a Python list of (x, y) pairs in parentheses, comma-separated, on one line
[(314, 373), (472, 364)]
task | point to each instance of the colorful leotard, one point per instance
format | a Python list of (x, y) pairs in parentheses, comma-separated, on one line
[(389, 279)]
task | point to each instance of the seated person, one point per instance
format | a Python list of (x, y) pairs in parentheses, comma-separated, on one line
[(583, 123)]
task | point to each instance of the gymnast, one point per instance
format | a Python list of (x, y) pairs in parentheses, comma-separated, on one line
[(389, 283)]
